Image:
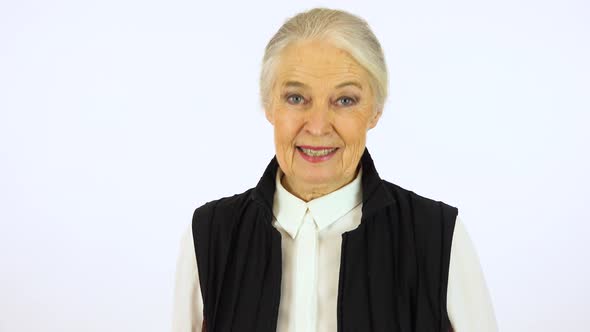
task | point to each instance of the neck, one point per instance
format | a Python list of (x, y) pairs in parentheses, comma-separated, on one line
[(308, 192)]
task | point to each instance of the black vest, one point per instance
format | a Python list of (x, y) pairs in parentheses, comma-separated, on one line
[(393, 269)]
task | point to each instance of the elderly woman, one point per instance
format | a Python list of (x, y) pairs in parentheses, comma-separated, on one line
[(322, 243)]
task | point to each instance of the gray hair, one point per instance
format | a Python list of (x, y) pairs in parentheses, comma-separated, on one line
[(344, 30)]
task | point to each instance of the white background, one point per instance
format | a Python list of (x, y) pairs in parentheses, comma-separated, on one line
[(118, 118)]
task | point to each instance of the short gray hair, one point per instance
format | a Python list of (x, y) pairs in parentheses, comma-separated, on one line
[(344, 30)]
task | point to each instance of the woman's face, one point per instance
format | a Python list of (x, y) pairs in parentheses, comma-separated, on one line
[(321, 108)]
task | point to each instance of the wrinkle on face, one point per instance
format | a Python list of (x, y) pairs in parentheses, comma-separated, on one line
[(313, 70)]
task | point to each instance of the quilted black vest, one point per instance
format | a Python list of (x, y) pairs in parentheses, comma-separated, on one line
[(393, 270)]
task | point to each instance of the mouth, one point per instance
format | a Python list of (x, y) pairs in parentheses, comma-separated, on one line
[(316, 153)]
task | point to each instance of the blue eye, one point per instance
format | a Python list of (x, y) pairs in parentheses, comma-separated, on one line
[(295, 99), (346, 101)]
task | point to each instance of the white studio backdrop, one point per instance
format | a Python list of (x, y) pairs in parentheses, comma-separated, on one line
[(118, 118)]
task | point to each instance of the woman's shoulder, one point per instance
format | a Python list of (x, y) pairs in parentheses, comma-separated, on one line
[(222, 209), (227, 201), (399, 192)]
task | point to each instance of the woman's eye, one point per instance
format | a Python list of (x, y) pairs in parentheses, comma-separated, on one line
[(346, 101), (295, 99)]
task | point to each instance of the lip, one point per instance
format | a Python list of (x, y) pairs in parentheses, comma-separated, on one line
[(315, 147), (316, 159)]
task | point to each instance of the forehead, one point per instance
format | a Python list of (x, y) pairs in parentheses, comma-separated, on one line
[(317, 62)]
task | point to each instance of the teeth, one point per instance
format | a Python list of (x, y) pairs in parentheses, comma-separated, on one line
[(317, 153)]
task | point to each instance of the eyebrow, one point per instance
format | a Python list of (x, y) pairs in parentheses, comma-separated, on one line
[(303, 85), (355, 83)]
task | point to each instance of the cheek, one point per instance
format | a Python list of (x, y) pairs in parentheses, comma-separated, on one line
[(285, 128), (353, 131), (285, 131)]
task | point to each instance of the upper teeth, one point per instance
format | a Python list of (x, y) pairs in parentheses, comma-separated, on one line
[(317, 153)]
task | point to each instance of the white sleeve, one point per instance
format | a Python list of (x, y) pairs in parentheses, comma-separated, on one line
[(187, 313), (468, 301)]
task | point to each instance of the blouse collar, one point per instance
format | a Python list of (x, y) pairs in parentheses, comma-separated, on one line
[(289, 209)]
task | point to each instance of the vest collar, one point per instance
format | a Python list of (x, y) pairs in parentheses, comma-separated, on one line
[(375, 195)]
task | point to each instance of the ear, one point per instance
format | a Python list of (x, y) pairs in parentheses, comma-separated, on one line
[(375, 117), (269, 115)]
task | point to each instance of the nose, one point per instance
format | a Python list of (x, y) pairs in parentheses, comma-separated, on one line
[(319, 121)]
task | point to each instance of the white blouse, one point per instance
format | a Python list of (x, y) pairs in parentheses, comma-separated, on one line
[(311, 234)]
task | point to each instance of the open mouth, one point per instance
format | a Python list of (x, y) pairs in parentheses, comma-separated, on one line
[(316, 153)]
